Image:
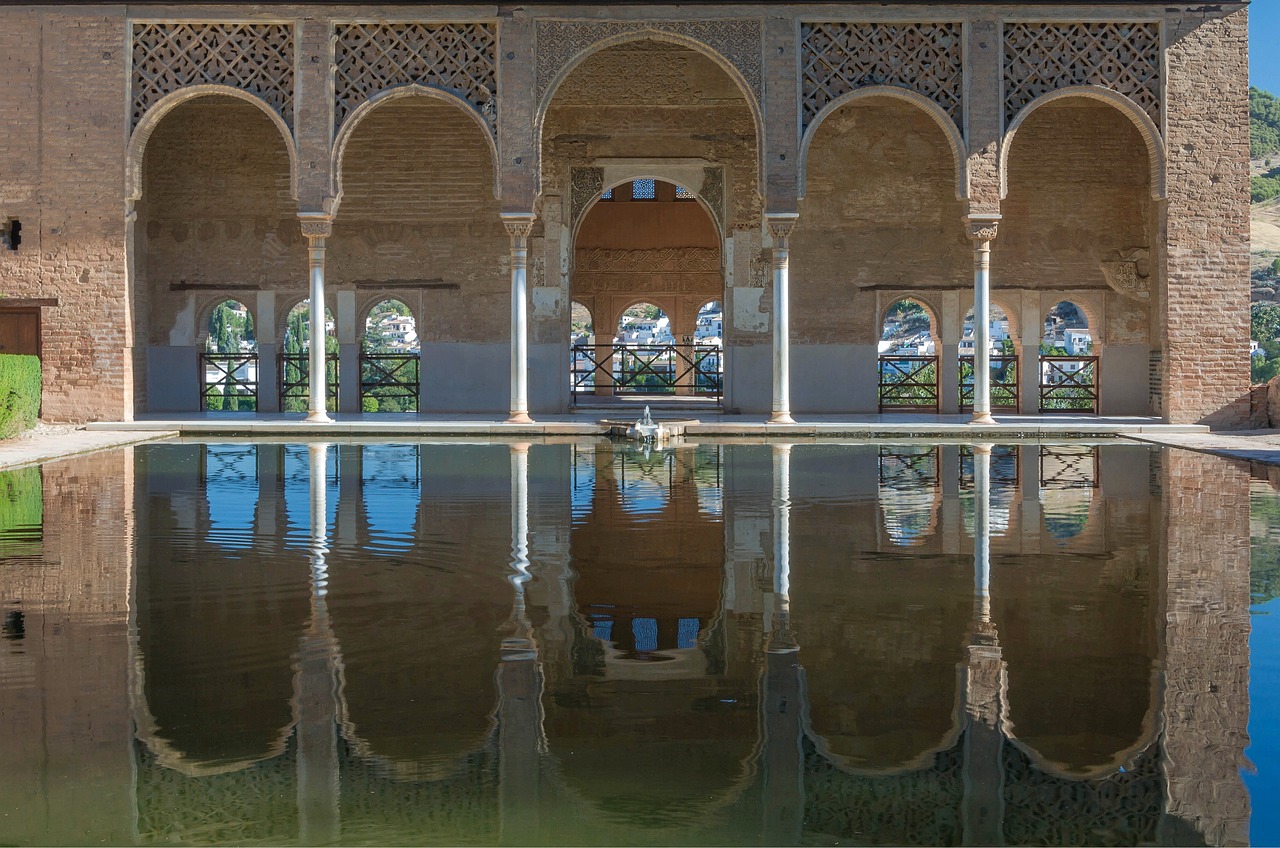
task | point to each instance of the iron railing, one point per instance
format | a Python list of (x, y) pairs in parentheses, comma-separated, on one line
[(1069, 384), (1004, 383), (389, 382), (295, 386), (661, 369), (229, 382), (908, 383)]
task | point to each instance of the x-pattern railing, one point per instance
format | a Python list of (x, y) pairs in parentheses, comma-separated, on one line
[(908, 382), (295, 381), (393, 380), (230, 382), (1004, 383), (648, 369), (1069, 384)]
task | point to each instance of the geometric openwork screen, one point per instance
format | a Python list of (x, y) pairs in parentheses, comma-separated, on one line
[(836, 58), (1044, 57), (457, 58), (257, 58)]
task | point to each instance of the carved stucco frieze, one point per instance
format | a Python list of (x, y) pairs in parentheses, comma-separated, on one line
[(739, 41), (712, 193), (253, 57), (837, 58), (585, 184), (1130, 275), (1043, 57), (459, 58), (675, 260)]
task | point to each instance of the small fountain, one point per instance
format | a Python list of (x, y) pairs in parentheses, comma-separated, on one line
[(645, 430)]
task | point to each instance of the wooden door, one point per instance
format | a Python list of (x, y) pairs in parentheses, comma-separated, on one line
[(20, 332)]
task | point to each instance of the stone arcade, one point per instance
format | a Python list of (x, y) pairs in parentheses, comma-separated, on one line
[(828, 161)]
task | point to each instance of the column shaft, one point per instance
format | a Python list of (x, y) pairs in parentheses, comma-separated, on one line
[(316, 228), (780, 227), (518, 227), (982, 231)]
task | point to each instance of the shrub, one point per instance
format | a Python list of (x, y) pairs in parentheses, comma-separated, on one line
[(19, 393)]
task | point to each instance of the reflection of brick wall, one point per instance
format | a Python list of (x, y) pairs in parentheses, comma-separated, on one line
[(65, 727), (1206, 701)]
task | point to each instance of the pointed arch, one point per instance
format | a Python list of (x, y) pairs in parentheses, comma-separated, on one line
[(955, 141), (1156, 154), (136, 150)]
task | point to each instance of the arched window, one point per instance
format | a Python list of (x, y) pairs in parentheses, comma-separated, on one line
[(390, 360), (1003, 360), (1068, 364), (229, 360), (295, 366), (908, 358)]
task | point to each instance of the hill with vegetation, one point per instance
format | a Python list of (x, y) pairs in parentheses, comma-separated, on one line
[(1264, 143)]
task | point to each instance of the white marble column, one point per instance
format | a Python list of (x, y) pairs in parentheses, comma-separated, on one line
[(317, 227), (518, 227), (982, 230), (780, 226)]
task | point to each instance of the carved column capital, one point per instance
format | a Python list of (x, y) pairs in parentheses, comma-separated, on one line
[(315, 224), (983, 227), (518, 224), (780, 225)]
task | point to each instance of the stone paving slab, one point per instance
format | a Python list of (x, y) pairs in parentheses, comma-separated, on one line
[(48, 442), (1248, 445)]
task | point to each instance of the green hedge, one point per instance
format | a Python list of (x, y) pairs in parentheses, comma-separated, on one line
[(19, 393)]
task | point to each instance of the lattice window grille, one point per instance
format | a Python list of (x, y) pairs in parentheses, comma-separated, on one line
[(460, 58), (1044, 57), (837, 58), (253, 57)]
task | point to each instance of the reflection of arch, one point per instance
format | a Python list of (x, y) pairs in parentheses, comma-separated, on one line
[(955, 141), (204, 315), (362, 111), (1131, 110), (142, 132), (757, 118)]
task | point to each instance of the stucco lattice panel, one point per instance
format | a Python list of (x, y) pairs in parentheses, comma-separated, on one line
[(837, 58), (257, 58), (1040, 58), (738, 41), (458, 58)]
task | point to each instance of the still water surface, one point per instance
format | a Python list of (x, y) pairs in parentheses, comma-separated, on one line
[(585, 643)]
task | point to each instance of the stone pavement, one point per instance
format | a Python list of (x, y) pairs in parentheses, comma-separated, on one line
[(1248, 445), (54, 441)]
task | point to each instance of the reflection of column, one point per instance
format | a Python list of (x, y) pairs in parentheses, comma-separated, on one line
[(518, 227), (1029, 483), (983, 677), (783, 760), (315, 688), (982, 229), (780, 227), (519, 682), (351, 519), (316, 228), (270, 518)]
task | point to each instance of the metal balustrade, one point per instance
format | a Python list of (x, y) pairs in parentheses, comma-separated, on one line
[(1004, 384), (908, 383), (229, 382), (390, 382), (1069, 384), (295, 386), (659, 369)]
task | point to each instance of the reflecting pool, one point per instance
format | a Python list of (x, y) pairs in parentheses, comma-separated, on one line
[(589, 643)]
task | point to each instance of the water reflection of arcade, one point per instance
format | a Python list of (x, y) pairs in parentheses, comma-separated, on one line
[(941, 660)]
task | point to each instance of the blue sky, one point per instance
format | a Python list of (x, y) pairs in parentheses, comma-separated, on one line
[(1264, 45)]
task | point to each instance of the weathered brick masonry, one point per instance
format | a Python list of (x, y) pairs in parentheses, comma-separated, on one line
[(158, 157)]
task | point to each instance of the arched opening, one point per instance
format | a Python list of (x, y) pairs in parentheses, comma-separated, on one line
[(1003, 358), (229, 360), (215, 213), (1079, 225), (295, 360), (670, 170), (390, 359), (418, 221), (879, 220), (908, 358), (1068, 362)]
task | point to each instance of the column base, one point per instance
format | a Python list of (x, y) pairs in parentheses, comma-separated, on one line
[(982, 418), (519, 418), (317, 417), (781, 418)]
